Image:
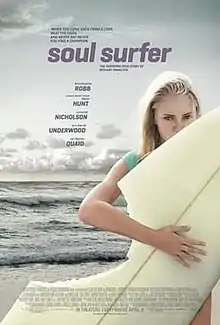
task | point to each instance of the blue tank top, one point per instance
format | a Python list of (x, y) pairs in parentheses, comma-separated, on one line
[(131, 159)]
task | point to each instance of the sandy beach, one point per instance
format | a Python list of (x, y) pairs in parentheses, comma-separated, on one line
[(9, 291)]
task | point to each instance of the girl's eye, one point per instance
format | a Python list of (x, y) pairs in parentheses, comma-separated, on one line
[(168, 118), (186, 117)]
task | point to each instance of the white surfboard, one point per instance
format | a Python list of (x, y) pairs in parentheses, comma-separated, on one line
[(179, 183)]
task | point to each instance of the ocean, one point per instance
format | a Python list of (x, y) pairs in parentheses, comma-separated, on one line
[(42, 239)]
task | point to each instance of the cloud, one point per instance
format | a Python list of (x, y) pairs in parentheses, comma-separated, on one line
[(74, 161), (34, 145), (89, 144), (18, 134), (105, 160), (11, 150), (7, 23), (55, 143), (7, 153), (2, 139), (108, 131), (24, 17), (19, 15), (18, 18)]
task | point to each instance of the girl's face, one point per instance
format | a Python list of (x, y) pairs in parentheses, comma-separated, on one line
[(173, 113)]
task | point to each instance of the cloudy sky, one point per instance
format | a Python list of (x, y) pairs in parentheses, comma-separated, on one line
[(32, 90)]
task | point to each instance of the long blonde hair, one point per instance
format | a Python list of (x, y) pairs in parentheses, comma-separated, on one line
[(166, 83)]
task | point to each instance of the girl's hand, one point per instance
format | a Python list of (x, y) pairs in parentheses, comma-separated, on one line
[(172, 241)]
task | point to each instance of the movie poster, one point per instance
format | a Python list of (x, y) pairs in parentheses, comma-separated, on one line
[(72, 77)]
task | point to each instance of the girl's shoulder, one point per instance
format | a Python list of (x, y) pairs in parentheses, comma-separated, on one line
[(131, 159)]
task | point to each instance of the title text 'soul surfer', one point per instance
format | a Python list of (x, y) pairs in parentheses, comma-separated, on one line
[(144, 53)]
